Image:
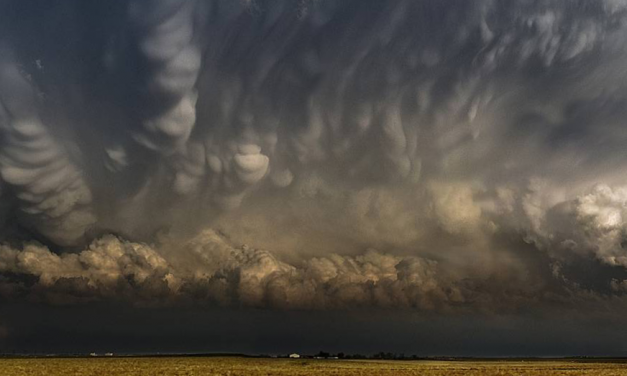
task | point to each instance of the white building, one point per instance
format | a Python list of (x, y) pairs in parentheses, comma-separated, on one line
[(294, 356)]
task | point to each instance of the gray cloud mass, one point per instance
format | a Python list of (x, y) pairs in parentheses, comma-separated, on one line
[(320, 154)]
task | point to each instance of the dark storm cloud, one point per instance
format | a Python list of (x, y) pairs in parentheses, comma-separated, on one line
[(449, 156)]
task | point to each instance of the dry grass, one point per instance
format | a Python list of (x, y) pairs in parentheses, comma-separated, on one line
[(248, 366)]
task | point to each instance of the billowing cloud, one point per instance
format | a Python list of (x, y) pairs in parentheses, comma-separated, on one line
[(415, 154), (214, 270)]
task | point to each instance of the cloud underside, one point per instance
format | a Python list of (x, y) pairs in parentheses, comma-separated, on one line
[(314, 155)]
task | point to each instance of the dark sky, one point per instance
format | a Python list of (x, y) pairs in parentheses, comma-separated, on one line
[(429, 177), (126, 329)]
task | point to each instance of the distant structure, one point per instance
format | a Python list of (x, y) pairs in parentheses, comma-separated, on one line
[(109, 354), (294, 356), (93, 354)]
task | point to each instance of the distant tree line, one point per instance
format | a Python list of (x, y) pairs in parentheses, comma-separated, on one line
[(341, 355)]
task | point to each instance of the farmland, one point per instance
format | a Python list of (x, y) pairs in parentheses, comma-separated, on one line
[(233, 366)]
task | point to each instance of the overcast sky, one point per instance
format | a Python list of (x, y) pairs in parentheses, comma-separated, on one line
[(417, 176)]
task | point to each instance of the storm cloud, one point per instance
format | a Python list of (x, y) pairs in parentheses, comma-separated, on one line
[(432, 156)]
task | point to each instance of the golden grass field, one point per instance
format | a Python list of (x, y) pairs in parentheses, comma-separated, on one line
[(251, 366)]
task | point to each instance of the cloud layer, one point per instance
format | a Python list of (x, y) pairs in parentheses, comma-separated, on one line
[(415, 154)]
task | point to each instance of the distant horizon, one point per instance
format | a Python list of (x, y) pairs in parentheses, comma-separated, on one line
[(412, 357)]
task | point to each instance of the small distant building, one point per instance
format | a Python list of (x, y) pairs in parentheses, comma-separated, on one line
[(93, 354), (294, 356), (109, 354)]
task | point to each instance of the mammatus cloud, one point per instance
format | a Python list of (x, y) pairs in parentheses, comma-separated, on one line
[(164, 32), (53, 197), (430, 155)]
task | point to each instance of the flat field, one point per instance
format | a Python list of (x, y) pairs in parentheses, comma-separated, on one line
[(129, 366)]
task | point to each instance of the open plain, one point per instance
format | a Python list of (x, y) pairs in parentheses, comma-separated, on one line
[(234, 366)]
